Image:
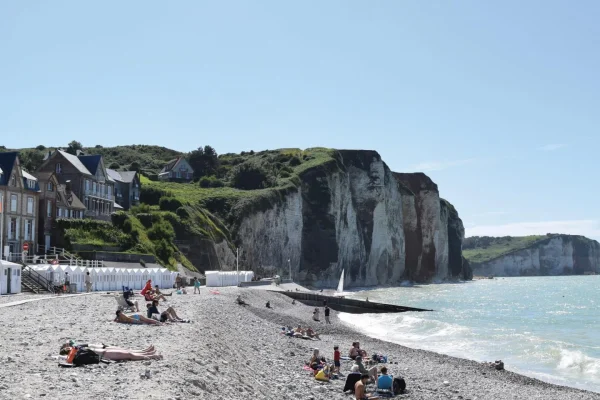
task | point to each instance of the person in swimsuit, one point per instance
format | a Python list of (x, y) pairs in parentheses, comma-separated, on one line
[(135, 319), (117, 354), (360, 391)]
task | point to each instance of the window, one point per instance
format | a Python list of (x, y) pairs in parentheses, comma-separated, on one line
[(28, 229), (58, 212), (109, 191), (50, 187), (87, 202), (30, 183), (48, 208), (87, 185), (13, 203), (12, 229), (94, 187), (30, 205), (58, 168), (13, 181)]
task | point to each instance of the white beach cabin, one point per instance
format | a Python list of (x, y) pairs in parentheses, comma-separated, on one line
[(10, 277)]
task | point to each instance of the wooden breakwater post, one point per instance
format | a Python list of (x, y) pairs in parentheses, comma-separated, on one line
[(351, 306)]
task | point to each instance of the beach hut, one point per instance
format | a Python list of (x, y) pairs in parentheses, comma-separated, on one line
[(10, 277), (137, 274)]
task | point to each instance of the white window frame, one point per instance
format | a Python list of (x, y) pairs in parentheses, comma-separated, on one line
[(14, 203), (30, 205)]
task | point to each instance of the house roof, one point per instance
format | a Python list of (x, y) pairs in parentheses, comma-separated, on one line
[(170, 165), (7, 162), (91, 162), (112, 174), (27, 175), (117, 206), (75, 162), (76, 203), (128, 176)]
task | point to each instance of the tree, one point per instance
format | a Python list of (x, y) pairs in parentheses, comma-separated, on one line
[(135, 166), (74, 146), (114, 166), (204, 161), (250, 176)]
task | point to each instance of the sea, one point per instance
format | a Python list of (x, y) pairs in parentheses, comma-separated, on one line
[(543, 327)]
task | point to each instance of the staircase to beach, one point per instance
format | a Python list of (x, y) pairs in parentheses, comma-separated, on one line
[(33, 282)]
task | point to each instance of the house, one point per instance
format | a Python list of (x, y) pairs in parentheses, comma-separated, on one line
[(88, 181), (127, 187), (57, 200), (19, 193), (177, 170)]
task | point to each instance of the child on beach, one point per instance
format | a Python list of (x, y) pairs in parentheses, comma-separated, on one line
[(336, 359), (197, 285)]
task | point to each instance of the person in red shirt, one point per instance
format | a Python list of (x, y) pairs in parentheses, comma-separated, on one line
[(336, 358)]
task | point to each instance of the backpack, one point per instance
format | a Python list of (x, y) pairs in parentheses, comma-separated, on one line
[(399, 385), (85, 356)]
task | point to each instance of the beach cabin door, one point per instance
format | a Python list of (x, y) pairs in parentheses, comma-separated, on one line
[(8, 272)]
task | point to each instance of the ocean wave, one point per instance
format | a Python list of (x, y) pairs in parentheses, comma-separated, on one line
[(575, 361)]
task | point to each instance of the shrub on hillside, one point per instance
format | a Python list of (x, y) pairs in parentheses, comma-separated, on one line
[(146, 219), (169, 204), (118, 219), (151, 195), (140, 209), (163, 250), (161, 230), (211, 182), (183, 213), (250, 176)]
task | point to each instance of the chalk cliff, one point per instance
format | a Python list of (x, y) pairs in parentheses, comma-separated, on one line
[(353, 213), (553, 254)]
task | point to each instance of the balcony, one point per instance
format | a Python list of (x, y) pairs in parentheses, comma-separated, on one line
[(98, 194)]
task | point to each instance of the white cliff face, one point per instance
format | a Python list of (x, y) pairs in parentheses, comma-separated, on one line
[(371, 249), (557, 256), (272, 237), (351, 215)]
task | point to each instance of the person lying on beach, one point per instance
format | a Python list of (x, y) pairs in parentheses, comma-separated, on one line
[(360, 389), (102, 346), (240, 301), (117, 354), (168, 315), (372, 372), (136, 319), (159, 293)]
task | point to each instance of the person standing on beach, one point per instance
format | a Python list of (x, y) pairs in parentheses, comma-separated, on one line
[(316, 315), (88, 282), (197, 285), (178, 282), (336, 358), (67, 283), (327, 315)]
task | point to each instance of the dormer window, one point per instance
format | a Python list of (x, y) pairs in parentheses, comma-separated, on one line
[(30, 183), (13, 181), (58, 168)]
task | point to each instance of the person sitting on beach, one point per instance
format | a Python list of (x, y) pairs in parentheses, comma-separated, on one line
[(385, 381), (157, 292), (299, 331), (151, 295), (147, 286), (240, 301), (135, 319), (312, 334), (360, 389), (316, 361), (126, 296), (268, 305), (372, 373), (316, 315), (116, 353), (167, 315), (356, 351)]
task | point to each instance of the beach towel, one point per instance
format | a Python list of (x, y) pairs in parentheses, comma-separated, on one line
[(146, 288), (214, 291), (345, 359)]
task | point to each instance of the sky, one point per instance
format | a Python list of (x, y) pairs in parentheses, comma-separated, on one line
[(496, 101)]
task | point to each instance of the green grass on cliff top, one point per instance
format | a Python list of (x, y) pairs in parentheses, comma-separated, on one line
[(483, 249)]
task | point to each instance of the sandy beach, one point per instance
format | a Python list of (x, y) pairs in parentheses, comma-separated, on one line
[(227, 352)]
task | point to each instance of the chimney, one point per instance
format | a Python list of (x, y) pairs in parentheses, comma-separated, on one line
[(68, 186)]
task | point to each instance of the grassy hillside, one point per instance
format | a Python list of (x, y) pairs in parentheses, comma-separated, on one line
[(478, 249)]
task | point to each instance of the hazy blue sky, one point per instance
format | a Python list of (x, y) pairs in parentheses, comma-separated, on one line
[(497, 101)]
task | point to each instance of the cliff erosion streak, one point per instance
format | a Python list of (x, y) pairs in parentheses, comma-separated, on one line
[(355, 214)]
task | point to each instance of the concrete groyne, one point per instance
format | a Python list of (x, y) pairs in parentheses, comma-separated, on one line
[(351, 306)]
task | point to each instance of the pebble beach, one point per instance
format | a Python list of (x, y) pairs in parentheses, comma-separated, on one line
[(228, 352)]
